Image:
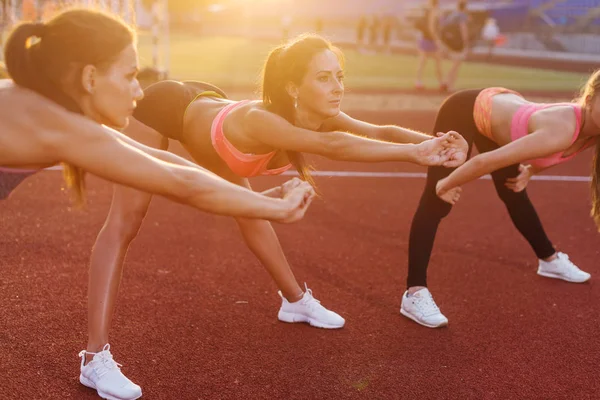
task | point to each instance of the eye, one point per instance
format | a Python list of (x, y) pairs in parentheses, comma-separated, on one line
[(323, 78), (341, 78)]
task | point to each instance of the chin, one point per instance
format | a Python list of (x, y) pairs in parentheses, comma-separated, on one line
[(333, 112), (119, 124)]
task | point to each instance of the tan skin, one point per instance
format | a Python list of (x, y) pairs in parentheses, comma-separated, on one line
[(43, 134), (252, 129), (550, 131)]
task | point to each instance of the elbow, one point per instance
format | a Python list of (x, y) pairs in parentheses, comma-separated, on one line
[(335, 147)]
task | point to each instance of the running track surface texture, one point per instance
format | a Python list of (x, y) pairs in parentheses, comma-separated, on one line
[(196, 315)]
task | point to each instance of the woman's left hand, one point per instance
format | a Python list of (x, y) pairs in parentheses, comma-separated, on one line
[(456, 151)]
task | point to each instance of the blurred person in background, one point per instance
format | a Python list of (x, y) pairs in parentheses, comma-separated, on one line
[(426, 44), (453, 35)]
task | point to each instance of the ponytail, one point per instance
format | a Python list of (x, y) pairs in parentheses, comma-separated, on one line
[(26, 61), (75, 179), (18, 53)]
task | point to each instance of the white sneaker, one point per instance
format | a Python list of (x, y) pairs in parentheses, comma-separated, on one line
[(562, 268), (308, 309), (104, 375), (421, 308)]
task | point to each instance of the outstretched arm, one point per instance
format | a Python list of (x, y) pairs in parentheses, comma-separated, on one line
[(138, 130), (389, 133), (278, 133), (535, 145), (111, 155)]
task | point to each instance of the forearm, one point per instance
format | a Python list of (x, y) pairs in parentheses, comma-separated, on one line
[(473, 169), (348, 147), (273, 192), (191, 185), (219, 196), (536, 170), (397, 134)]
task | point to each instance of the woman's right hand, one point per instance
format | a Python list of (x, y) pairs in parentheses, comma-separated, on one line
[(448, 148), (297, 196)]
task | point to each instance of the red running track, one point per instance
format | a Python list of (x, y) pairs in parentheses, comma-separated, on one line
[(196, 316)]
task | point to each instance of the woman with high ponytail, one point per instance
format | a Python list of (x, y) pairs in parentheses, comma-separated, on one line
[(73, 80), (299, 113)]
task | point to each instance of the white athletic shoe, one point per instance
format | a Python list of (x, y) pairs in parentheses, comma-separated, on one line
[(308, 309), (421, 308), (104, 375), (562, 268)]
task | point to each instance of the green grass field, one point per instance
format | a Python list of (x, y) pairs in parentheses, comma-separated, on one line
[(237, 62)]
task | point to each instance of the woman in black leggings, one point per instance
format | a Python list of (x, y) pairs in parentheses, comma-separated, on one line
[(457, 113)]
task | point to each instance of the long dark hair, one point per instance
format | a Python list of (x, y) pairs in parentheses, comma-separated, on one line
[(289, 63), (46, 58)]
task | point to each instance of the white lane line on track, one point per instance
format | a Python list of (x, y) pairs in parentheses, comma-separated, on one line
[(420, 175)]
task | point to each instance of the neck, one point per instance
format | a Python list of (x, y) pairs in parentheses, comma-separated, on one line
[(307, 120), (588, 128)]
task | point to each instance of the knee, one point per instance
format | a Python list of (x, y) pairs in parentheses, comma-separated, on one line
[(251, 225), (432, 206), (124, 225), (510, 197)]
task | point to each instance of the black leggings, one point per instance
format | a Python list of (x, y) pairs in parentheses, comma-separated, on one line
[(456, 114)]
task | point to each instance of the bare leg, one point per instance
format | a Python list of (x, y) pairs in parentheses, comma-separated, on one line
[(127, 212), (453, 73), (420, 69), (261, 239)]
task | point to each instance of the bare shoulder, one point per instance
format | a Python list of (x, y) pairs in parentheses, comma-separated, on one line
[(257, 116), (559, 121), (35, 129), (51, 124), (559, 117)]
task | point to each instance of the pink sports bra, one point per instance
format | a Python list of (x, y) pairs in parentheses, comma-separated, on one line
[(519, 127), (245, 165)]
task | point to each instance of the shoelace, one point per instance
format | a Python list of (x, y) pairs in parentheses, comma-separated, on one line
[(103, 361), (310, 301), (426, 303), (565, 258)]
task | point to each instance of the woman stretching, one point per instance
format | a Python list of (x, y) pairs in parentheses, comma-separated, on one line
[(516, 139), (299, 112), (86, 62)]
